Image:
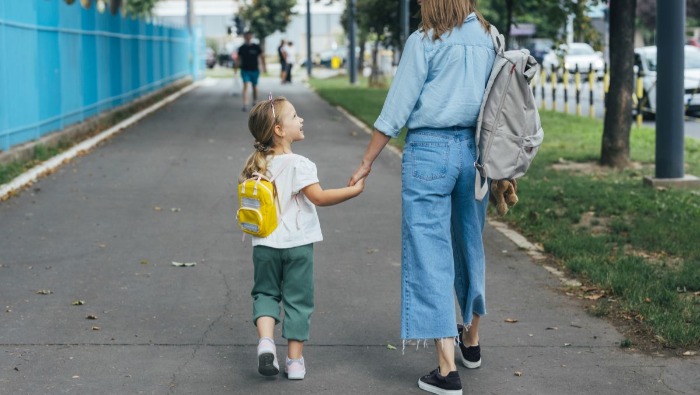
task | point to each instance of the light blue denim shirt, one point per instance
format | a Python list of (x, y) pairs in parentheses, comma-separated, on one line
[(441, 83)]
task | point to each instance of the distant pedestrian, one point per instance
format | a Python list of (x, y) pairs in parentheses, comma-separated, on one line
[(283, 261), (236, 81), (291, 60), (436, 93), (250, 56), (282, 55)]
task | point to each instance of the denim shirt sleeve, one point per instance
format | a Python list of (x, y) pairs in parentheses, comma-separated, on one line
[(405, 88)]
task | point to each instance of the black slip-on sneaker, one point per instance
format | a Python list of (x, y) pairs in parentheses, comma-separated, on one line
[(441, 385)]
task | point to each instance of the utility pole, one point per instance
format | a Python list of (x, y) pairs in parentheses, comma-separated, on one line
[(670, 107), (351, 49), (670, 89), (405, 28), (308, 38), (190, 16)]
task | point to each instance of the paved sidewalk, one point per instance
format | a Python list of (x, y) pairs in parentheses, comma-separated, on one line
[(105, 228)]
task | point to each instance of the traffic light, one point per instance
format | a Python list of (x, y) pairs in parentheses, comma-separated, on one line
[(240, 27)]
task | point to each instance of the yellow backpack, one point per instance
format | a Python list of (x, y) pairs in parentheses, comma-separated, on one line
[(258, 204)]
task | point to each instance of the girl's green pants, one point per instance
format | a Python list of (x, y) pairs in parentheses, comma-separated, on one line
[(285, 275)]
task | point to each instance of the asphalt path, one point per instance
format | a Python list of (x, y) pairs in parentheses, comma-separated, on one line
[(105, 229)]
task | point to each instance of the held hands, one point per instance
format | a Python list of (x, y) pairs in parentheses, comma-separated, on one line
[(360, 174)]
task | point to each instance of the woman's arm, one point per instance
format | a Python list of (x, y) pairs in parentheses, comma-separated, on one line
[(375, 146), (329, 197)]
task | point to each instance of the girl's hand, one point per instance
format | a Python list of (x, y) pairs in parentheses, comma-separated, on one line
[(359, 185)]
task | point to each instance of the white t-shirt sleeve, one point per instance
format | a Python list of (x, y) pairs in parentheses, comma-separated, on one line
[(305, 174)]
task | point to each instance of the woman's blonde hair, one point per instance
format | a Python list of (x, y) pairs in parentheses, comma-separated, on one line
[(444, 15), (263, 118)]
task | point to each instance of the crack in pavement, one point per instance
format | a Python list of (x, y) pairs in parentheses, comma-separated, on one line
[(197, 346)]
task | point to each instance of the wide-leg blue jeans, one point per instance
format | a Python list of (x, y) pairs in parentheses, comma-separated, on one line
[(442, 226)]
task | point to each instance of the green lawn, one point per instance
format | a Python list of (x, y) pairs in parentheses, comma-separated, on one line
[(637, 244)]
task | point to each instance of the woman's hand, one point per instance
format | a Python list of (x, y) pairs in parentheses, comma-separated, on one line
[(359, 174), (375, 146)]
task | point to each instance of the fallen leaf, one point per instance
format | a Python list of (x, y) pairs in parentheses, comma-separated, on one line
[(96, 328), (593, 296), (76, 377), (184, 264), (690, 353), (647, 300), (552, 328), (144, 262), (567, 344), (157, 208), (175, 210), (91, 317), (44, 292), (78, 302), (390, 347), (372, 250), (511, 320), (102, 245), (519, 374)]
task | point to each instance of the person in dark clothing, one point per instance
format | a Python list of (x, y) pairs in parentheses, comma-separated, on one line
[(282, 53), (249, 56)]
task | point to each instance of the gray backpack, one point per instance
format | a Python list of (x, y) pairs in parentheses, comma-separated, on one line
[(508, 130)]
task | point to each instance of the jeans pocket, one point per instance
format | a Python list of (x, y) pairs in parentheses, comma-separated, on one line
[(429, 159)]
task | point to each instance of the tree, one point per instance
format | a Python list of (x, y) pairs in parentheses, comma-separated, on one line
[(136, 8), (264, 17), (617, 123), (379, 20), (550, 18)]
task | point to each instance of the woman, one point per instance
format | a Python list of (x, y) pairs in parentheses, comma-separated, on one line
[(437, 94)]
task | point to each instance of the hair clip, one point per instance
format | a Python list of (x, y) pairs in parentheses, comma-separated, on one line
[(272, 105)]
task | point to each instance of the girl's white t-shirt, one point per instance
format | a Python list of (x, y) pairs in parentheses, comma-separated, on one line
[(299, 224)]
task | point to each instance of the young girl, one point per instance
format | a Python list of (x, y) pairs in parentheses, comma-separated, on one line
[(283, 261)]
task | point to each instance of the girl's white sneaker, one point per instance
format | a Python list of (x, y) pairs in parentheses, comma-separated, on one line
[(295, 369), (267, 357)]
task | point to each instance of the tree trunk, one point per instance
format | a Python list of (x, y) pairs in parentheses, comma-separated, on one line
[(615, 151), (114, 6), (509, 21), (361, 55), (377, 79)]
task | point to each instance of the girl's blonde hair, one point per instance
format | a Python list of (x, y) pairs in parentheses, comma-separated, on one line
[(444, 15), (263, 118)]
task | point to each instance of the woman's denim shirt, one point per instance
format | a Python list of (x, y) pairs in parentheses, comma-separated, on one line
[(441, 83)]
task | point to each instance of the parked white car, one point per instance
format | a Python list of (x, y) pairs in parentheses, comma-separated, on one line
[(579, 55), (645, 59)]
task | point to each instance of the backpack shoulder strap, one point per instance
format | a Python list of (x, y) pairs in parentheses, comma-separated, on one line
[(499, 42)]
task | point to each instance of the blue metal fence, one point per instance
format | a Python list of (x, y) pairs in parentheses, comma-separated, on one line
[(61, 64)]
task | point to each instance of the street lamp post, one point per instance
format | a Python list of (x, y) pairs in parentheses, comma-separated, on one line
[(351, 50), (308, 38), (670, 32)]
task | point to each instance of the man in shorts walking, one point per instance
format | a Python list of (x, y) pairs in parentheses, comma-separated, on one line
[(248, 56)]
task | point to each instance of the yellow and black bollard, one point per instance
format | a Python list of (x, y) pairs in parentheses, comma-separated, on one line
[(566, 90), (543, 78), (577, 86), (639, 92), (591, 84), (554, 88), (606, 88)]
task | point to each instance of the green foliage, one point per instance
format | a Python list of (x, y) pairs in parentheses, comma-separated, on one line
[(550, 18), (264, 17), (140, 8)]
